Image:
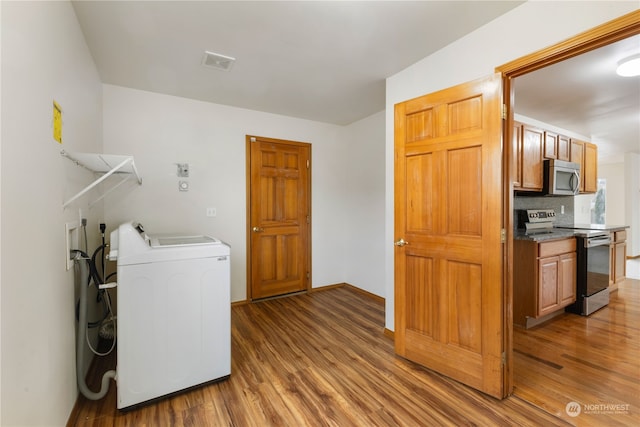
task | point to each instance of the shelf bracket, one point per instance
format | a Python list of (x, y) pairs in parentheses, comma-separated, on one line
[(105, 164)]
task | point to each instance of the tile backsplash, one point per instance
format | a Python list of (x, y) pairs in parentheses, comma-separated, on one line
[(546, 202)]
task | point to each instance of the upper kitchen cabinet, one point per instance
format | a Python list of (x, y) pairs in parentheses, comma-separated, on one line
[(556, 146), (590, 171), (586, 155), (516, 143), (528, 145)]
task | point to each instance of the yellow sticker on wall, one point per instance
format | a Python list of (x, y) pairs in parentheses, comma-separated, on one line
[(57, 122)]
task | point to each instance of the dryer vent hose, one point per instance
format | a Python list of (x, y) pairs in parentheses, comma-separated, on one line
[(81, 259)]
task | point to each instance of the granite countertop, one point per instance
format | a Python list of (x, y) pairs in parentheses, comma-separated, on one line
[(603, 227), (552, 234)]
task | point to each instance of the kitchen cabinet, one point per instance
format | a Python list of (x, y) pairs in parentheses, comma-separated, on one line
[(544, 279), (516, 143), (618, 248), (529, 161), (586, 155), (590, 168), (556, 146), (564, 146)]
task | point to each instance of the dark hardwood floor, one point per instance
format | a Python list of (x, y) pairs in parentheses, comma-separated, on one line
[(593, 361), (321, 359)]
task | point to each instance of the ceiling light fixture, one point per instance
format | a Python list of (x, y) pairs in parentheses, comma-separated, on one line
[(216, 60), (629, 67)]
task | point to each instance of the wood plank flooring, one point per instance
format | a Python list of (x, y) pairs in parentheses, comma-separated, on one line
[(317, 359), (594, 361)]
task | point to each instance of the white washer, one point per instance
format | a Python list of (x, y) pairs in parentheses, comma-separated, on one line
[(174, 313)]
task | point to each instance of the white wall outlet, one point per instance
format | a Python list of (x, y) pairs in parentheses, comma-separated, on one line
[(183, 170), (211, 212), (562, 209), (71, 232)]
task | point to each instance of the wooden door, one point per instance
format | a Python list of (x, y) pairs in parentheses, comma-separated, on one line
[(279, 217), (449, 308)]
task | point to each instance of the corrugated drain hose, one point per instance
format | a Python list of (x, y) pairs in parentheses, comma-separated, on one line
[(81, 259)]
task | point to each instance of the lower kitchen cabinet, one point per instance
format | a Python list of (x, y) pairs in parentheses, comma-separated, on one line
[(544, 278), (618, 269)]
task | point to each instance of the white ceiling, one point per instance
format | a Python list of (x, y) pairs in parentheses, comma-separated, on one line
[(323, 61), (586, 96), (327, 61)]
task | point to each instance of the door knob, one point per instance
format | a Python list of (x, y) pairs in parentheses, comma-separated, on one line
[(401, 242), (257, 229)]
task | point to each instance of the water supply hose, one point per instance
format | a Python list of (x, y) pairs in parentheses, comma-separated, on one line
[(81, 259)]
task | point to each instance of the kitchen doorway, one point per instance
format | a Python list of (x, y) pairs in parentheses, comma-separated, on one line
[(606, 34)]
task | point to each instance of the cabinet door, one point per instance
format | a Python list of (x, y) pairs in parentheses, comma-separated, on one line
[(620, 262), (550, 145), (563, 148), (577, 156), (532, 143), (567, 278), (517, 154), (590, 168), (548, 292)]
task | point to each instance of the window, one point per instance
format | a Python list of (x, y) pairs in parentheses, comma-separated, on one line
[(598, 203)]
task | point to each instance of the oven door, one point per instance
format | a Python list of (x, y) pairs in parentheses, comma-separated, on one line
[(598, 260)]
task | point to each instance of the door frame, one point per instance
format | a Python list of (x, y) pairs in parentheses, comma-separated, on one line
[(610, 32), (248, 140)]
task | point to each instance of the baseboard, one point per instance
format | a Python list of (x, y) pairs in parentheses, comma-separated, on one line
[(389, 334), (328, 287), (366, 293), (239, 303)]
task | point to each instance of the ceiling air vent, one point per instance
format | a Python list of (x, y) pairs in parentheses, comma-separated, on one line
[(215, 60)]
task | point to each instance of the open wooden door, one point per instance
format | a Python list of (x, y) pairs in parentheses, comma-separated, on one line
[(279, 206), (448, 225)]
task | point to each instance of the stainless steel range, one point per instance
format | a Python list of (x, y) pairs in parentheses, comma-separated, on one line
[(592, 249)]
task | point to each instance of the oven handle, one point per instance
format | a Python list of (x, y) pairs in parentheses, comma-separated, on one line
[(597, 241)]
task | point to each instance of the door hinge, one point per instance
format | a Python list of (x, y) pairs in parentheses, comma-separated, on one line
[(252, 139), (307, 163), (308, 219), (504, 358), (503, 236), (504, 112), (308, 275)]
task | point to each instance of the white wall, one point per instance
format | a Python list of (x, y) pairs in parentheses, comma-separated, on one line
[(615, 192), (160, 131), (44, 58), (521, 31), (632, 205), (364, 237)]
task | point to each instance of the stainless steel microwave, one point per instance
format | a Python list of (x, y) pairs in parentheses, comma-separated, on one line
[(561, 178)]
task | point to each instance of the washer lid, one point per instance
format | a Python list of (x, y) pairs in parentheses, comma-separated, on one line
[(171, 241)]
